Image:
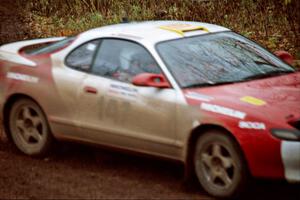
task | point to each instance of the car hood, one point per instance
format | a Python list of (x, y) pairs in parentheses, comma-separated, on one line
[(276, 98)]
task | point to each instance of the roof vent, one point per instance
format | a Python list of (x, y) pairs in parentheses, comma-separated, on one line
[(182, 28)]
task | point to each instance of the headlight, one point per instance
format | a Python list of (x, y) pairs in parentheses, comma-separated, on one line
[(286, 134)]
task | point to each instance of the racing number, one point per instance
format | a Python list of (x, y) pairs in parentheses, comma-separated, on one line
[(113, 110)]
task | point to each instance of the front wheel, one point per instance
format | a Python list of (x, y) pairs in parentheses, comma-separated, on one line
[(219, 165), (29, 128)]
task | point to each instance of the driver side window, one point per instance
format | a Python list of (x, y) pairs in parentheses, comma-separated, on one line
[(122, 60)]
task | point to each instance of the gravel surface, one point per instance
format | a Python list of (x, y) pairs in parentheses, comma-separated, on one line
[(84, 172)]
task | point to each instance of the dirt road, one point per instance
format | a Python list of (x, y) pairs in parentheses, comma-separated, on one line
[(77, 171)]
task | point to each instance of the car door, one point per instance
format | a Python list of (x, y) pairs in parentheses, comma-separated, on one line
[(115, 112), (69, 76)]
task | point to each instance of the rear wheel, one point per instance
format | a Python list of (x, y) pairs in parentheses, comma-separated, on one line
[(219, 165), (29, 128)]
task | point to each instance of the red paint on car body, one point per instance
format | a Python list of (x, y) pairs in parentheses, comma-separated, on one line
[(281, 95)]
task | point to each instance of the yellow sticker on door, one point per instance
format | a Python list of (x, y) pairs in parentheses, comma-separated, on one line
[(253, 100)]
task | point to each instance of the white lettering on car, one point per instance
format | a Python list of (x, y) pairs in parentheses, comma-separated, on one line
[(223, 110), (124, 92), (252, 125), (22, 77), (197, 96)]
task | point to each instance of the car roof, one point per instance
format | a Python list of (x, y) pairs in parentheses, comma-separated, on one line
[(154, 31)]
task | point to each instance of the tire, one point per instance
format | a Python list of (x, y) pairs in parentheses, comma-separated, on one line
[(219, 165), (29, 128)]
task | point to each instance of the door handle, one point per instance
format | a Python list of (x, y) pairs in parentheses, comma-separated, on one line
[(91, 90)]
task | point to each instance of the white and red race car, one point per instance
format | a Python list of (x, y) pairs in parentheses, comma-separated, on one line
[(193, 92)]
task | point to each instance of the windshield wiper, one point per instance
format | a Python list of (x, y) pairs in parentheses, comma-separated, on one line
[(266, 75), (205, 84)]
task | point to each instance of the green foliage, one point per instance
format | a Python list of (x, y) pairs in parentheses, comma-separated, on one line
[(274, 23)]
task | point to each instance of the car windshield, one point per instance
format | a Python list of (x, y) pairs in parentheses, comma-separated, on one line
[(49, 48), (218, 58)]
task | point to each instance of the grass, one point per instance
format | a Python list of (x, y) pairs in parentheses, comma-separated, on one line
[(273, 23)]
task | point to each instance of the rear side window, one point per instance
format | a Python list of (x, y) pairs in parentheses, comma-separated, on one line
[(82, 57)]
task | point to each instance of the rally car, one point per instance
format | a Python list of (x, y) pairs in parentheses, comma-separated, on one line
[(187, 91)]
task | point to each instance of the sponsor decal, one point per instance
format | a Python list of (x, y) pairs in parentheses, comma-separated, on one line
[(223, 110), (252, 125), (124, 88), (128, 36), (22, 77), (253, 100), (197, 96), (123, 91)]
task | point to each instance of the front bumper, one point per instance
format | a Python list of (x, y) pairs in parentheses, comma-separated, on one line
[(290, 153)]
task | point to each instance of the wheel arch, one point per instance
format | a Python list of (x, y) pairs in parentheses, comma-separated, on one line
[(191, 143)]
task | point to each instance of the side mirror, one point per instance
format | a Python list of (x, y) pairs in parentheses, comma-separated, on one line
[(285, 56), (151, 80)]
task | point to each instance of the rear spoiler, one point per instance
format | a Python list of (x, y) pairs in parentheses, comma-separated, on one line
[(11, 52)]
